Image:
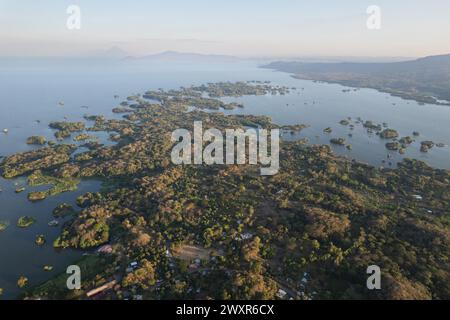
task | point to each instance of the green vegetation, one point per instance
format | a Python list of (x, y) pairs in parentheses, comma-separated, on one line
[(56, 288), (194, 96), (59, 185), (84, 136), (23, 163), (372, 126), (239, 89), (144, 277), (322, 217), (25, 222), (426, 145), (90, 232), (122, 110), (65, 129), (406, 141), (389, 134), (3, 225), (295, 127), (38, 140), (338, 141), (40, 240), (22, 281), (394, 146)]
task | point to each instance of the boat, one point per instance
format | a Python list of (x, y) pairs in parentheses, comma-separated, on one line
[(48, 268), (5, 130), (53, 223)]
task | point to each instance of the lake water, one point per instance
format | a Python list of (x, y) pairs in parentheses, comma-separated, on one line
[(30, 90)]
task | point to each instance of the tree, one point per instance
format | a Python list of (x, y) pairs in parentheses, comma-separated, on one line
[(22, 281), (143, 277)]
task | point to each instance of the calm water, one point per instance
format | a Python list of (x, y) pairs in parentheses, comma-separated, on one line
[(31, 89)]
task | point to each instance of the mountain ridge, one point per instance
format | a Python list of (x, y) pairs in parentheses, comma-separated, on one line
[(186, 56), (426, 80)]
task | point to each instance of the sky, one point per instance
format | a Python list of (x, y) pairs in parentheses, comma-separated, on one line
[(248, 28)]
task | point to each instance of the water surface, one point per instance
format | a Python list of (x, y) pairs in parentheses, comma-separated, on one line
[(30, 90)]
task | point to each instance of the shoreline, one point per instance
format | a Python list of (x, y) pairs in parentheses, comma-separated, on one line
[(354, 185)]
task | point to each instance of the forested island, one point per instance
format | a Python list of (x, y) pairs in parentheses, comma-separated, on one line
[(162, 231)]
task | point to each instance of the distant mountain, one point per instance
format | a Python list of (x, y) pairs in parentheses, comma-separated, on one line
[(113, 52), (334, 59), (188, 57), (426, 79)]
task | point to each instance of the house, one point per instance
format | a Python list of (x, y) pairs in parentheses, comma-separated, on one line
[(281, 293), (305, 278), (246, 236), (106, 249), (133, 265)]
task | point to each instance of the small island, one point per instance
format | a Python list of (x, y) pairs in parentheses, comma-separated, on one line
[(425, 146), (40, 240), (394, 146), (25, 222), (37, 140), (338, 141), (3, 225), (389, 134), (22, 281)]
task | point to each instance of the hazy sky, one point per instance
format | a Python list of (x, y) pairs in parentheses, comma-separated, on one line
[(237, 27)]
